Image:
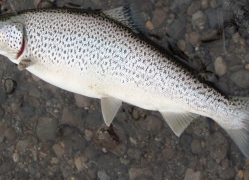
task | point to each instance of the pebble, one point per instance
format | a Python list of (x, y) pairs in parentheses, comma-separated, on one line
[(108, 161), (10, 134), (168, 153), (83, 101), (78, 161), (241, 78), (46, 128), (151, 123), (181, 45), (58, 150), (204, 4), (236, 37), (185, 140), (21, 146), (149, 25), (196, 146), (220, 66), (35, 78), (194, 39), (201, 127), (158, 17), (102, 175), (15, 157), (246, 174), (33, 168), (35, 92), (33, 101), (67, 116), (26, 112), (138, 173), (194, 7), (191, 175), (134, 153), (88, 135), (199, 20), (217, 145)]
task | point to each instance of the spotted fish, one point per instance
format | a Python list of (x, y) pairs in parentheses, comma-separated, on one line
[(101, 54)]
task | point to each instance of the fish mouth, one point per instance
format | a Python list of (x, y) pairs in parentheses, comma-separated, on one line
[(22, 49)]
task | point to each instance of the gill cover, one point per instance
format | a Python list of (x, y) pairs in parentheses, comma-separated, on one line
[(12, 40)]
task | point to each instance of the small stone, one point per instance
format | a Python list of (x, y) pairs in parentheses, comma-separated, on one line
[(102, 175), (136, 173), (15, 157), (79, 164), (33, 168), (26, 112), (83, 101), (10, 134), (247, 66), (33, 101), (88, 135), (194, 7), (194, 39), (158, 17), (199, 20), (220, 66), (134, 153), (46, 128), (191, 175), (236, 37), (241, 78), (246, 174), (59, 150), (241, 174), (67, 117), (149, 25), (196, 146), (217, 146), (185, 140), (168, 153), (21, 146), (35, 92), (225, 164), (35, 78), (201, 127), (204, 4), (181, 45), (151, 123)]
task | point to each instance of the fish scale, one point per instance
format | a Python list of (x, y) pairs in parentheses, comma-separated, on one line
[(90, 53)]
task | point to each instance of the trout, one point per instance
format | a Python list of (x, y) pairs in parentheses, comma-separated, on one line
[(101, 54)]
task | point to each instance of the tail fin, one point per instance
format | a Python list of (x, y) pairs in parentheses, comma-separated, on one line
[(241, 135)]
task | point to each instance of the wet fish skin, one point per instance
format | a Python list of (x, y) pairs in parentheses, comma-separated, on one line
[(88, 53)]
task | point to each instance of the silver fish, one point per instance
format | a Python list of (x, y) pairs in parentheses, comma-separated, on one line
[(93, 53)]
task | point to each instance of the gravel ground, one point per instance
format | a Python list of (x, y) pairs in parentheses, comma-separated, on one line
[(48, 133)]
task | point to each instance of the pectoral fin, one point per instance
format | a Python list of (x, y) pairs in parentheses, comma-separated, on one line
[(109, 107), (178, 121), (24, 63)]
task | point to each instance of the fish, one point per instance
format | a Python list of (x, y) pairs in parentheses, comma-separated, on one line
[(104, 55)]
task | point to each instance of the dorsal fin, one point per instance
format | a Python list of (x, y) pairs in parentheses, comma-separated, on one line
[(127, 15)]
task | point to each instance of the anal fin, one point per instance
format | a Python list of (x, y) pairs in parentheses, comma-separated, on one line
[(178, 121), (109, 107)]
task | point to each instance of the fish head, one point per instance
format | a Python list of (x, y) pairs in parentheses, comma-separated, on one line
[(12, 42)]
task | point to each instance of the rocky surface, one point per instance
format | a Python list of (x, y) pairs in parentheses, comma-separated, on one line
[(49, 133)]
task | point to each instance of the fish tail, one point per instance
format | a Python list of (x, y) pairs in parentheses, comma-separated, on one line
[(240, 132)]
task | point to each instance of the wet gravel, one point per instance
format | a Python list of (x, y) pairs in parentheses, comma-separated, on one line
[(49, 133)]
